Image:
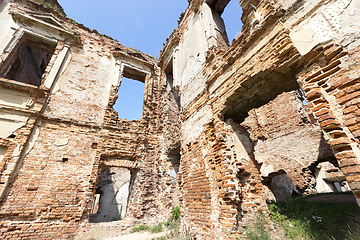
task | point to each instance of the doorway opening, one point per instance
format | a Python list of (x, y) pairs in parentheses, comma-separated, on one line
[(112, 194)]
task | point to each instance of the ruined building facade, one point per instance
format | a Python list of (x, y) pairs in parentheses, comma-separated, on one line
[(224, 127)]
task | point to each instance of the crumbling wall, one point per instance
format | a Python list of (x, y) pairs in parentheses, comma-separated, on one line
[(68, 131), (284, 46), (215, 116), (287, 140)]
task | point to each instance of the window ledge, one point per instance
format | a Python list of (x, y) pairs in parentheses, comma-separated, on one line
[(20, 86)]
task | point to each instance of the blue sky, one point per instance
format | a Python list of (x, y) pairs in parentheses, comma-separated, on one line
[(143, 25)]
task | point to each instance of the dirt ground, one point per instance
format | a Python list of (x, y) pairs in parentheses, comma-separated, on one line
[(117, 230)]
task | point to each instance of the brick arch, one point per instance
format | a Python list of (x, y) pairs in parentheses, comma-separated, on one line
[(332, 92)]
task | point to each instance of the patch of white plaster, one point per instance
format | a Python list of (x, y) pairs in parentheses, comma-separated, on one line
[(266, 169), (325, 25), (61, 142), (304, 40), (3, 151), (14, 98), (16, 152), (10, 122), (7, 25)]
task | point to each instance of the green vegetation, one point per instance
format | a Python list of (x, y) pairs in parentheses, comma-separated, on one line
[(139, 228), (316, 220), (300, 219), (156, 228), (257, 230), (175, 214), (51, 6), (172, 225)]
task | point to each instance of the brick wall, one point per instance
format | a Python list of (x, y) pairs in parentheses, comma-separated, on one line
[(332, 93)]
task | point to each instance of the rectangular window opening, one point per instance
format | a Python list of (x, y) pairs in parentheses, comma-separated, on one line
[(28, 60), (130, 102)]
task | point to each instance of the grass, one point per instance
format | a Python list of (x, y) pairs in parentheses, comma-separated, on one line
[(156, 228), (171, 224), (139, 228), (175, 213), (257, 231), (305, 220)]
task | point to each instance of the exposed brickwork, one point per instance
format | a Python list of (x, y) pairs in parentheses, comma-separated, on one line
[(261, 64), (332, 96), (287, 138), (223, 108)]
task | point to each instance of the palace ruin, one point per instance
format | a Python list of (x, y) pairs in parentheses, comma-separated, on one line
[(224, 127)]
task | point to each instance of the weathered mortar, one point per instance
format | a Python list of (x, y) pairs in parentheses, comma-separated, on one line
[(73, 134), (217, 110), (272, 55)]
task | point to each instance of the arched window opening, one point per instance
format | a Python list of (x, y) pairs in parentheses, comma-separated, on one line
[(232, 19), (226, 17)]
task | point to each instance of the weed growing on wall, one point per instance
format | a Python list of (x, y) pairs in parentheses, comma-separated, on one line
[(51, 6)]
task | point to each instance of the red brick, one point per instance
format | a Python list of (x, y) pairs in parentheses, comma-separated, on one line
[(346, 154), (349, 116), (329, 122), (356, 133), (353, 178), (313, 94), (355, 55), (348, 162), (322, 112), (348, 97), (350, 109), (355, 127), (351, 170), (341, 82), (350, 122), (355, 186), (326, 117), (339, 141)]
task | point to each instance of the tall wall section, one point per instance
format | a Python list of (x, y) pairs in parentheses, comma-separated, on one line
[(284, 46), (59, 131)]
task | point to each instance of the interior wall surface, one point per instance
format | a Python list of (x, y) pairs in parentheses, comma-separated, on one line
[(210, 100), (58, 136), (284, 46)]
